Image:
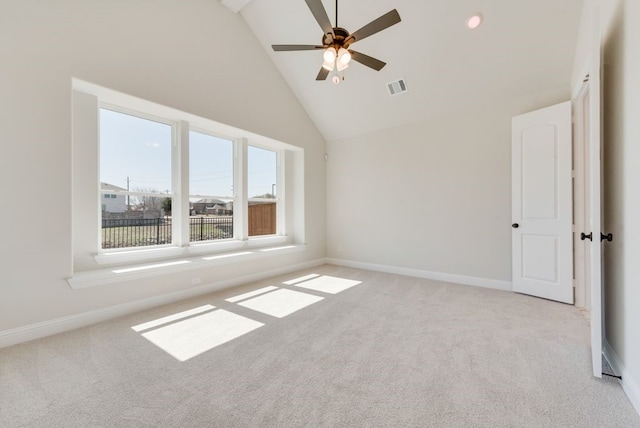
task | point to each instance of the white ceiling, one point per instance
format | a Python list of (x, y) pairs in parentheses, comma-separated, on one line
[(523, 47)]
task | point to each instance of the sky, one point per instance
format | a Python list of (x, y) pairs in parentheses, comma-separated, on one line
[(141, 150)]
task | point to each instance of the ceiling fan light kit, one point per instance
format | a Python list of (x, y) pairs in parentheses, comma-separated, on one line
[(343, 56), (336, 41), (330, 54)]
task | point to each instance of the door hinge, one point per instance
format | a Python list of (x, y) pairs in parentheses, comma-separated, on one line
[(573, 173), (574, 283)]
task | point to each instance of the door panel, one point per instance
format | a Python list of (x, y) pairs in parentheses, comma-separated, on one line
[(539, 173), (595, 165), (540, 256), (542, 205)]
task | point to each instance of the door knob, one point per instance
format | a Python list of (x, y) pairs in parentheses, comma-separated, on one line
[(515, 225), (583, 237), (608, 237)]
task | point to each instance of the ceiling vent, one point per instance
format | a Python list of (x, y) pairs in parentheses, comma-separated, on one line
[(397, 87)]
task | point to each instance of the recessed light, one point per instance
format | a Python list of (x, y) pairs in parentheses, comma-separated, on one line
[(474, 21)]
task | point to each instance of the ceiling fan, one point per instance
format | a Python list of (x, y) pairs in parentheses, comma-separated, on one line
[(336, 41)]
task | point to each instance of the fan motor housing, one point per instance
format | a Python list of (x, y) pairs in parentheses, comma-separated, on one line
[(340, 36)]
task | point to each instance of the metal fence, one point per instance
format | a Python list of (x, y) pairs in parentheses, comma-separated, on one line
[(123, 233), (210, 228)]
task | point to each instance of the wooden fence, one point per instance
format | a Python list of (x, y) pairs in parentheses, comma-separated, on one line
[(262, 219)]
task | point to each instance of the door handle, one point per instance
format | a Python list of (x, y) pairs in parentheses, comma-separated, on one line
[(515, 225), (583, 236), (608, 237)]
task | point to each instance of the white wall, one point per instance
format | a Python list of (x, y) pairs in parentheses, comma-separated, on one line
[(194, 56), (620, 39), (432, 196)]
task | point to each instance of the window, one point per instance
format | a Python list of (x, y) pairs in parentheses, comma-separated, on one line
[(155, 183), (262, 184), (171, 180), (135, 161), (210, 187)]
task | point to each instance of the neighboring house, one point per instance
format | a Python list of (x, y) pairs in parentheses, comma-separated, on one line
[(211, 206), (113, 202), (217, 209)]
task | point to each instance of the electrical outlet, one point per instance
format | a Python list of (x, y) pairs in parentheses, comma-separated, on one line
[(196, 281)]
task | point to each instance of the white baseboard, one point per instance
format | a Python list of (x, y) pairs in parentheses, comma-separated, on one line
[(71, 322), (630, 385), (418, 273)]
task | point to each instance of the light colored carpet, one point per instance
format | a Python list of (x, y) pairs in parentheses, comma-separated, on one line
[(371, 349)]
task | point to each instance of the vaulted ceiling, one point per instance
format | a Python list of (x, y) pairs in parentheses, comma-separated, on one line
[(522, 47)]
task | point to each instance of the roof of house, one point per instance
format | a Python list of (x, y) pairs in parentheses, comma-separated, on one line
[(107, 186)]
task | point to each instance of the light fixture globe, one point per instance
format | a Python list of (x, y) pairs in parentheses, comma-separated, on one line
[(329, 54), (475, 21), (344, 56)]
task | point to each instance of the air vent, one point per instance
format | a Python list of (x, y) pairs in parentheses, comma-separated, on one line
[(397, 87)]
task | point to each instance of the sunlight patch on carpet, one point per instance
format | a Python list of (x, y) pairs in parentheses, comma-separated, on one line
[(328, 284), (186, 339), (173, 317), (301, 279), (281, 303)]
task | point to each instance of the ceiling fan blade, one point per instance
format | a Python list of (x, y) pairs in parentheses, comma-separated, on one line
[(385, 21), (279, 48), (371, 62), (322, 75), (320, 14)]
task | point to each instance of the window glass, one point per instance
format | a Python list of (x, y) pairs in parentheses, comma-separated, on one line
[(210, 187), (135, 153), (135, 162), (261, 186)]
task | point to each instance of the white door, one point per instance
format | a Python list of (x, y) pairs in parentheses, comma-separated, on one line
[(595, 195), (581, 198), (542, 248)]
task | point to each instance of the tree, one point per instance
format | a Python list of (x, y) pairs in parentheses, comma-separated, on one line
[(146, 202), (166, 205)]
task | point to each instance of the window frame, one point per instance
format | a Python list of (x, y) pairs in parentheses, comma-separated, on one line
[(175, 237), (234, 196), (88, 98), (279, 195)]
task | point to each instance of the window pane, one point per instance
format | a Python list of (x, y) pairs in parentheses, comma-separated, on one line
[(210, 187), (135, 153), (210, 165), (261, 184), (135, 171)]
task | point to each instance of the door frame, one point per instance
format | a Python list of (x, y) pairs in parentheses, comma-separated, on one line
[(581, 220)]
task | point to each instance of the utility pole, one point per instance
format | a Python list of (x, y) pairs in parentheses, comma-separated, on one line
[(128, 196)]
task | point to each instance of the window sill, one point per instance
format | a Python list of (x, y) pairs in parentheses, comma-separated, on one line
[(99, 277), (118, 257), (166, 252)]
